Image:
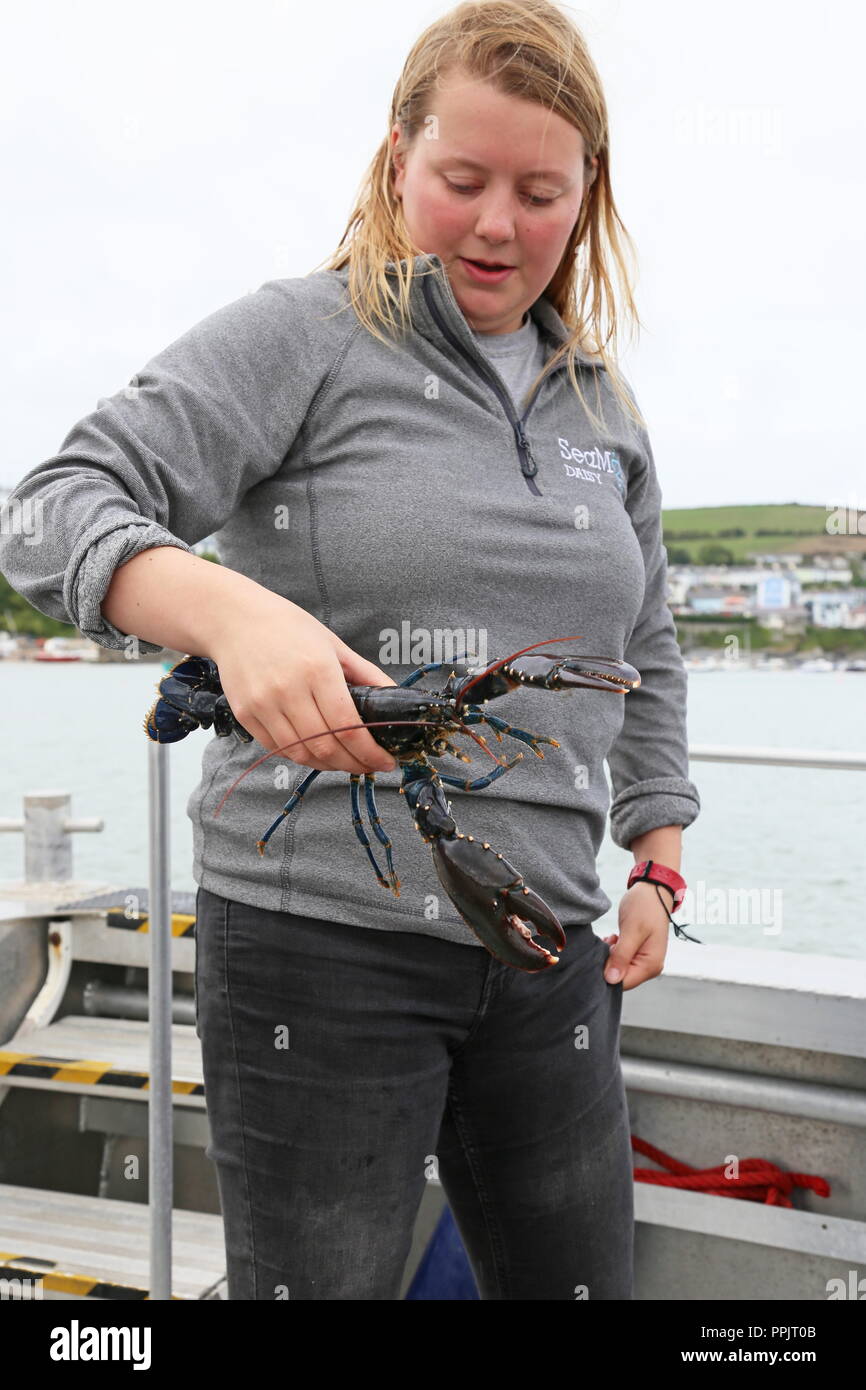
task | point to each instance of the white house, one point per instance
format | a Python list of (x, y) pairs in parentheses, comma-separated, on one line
[(836, 608)]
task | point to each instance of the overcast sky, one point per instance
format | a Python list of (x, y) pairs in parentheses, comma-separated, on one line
[(161, 160)]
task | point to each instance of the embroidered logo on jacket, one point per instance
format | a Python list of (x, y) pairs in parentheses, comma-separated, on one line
[(579, 462)]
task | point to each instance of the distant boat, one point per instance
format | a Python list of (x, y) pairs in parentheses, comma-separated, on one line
[(818, 663), (708, 663), (66, 649)]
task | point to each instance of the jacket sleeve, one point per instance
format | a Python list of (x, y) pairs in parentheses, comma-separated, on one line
[(649, 760), (165, 460)]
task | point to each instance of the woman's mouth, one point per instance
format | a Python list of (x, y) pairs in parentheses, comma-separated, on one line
[(486, 275)]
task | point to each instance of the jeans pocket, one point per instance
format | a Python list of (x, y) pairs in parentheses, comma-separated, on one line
[(604, 946)]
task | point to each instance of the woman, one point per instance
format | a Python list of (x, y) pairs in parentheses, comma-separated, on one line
[(400, 455)]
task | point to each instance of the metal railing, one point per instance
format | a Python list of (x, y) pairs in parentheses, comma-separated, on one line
[(777, 757)]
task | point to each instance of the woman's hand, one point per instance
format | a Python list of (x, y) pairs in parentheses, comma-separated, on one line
[(285, 677), (638, 951)]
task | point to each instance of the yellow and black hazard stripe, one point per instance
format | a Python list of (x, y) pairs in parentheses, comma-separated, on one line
[(86, 1071), (61, 1281), (182, 923)]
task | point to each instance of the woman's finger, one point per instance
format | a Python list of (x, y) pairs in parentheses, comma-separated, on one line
[(337, 709), (321, 747)]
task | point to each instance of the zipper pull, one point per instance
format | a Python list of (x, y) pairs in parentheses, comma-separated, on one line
[(528, 466)]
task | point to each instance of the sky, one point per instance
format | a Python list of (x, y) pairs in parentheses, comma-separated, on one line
[(158, 162)]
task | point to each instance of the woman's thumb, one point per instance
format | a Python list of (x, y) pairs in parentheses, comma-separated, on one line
[(359, 671), (616, 964)]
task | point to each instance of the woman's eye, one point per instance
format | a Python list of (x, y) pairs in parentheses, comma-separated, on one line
[(470, 188)]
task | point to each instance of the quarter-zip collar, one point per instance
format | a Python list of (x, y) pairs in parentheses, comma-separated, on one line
[(436, 313), (429, 271)]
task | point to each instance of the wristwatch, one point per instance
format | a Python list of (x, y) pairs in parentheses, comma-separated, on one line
[(652, 872)]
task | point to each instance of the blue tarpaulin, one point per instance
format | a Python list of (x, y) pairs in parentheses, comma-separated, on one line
[(444, 1271)]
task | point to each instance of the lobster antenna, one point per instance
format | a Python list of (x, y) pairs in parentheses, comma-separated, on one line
[(374, 724), (505, 659)]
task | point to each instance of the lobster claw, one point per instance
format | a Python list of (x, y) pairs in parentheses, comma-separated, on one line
[(492, 898), (570, 672)]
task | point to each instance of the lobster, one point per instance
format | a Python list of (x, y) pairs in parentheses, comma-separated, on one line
[(489, 893)]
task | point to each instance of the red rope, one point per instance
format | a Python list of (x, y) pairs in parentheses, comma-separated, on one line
[(757, 1180)]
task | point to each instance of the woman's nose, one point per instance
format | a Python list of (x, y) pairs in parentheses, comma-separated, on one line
[(495, 221)]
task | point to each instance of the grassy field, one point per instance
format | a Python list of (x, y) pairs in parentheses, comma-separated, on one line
[(805, 530)]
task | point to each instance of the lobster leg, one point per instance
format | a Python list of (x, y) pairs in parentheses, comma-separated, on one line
[(479, 782), (378, 831), (357, 822), (290, 805), (500, 726), (431, 666)]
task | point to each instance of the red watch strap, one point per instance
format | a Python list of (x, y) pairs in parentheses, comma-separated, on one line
[(652, 872)]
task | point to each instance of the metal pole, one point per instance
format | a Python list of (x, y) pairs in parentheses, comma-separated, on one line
[(159, 988), (777, 757)]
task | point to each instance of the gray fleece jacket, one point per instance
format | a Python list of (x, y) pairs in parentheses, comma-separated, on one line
[(401, 495)]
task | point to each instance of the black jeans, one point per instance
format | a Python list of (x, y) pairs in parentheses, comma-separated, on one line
[(344, 1066)]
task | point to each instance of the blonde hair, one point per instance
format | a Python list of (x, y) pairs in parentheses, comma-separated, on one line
[(526, 48)]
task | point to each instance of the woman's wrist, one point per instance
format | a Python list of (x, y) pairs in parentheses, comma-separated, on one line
[(660, 876), (663, 888), (663, 846)]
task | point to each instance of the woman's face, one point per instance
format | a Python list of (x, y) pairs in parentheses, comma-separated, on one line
[(520, 173)]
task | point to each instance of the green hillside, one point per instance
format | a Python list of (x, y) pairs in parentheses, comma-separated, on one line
[(746, 531)]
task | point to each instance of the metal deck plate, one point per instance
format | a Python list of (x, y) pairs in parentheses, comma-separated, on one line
[(100, 1248), (108, 1056)]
